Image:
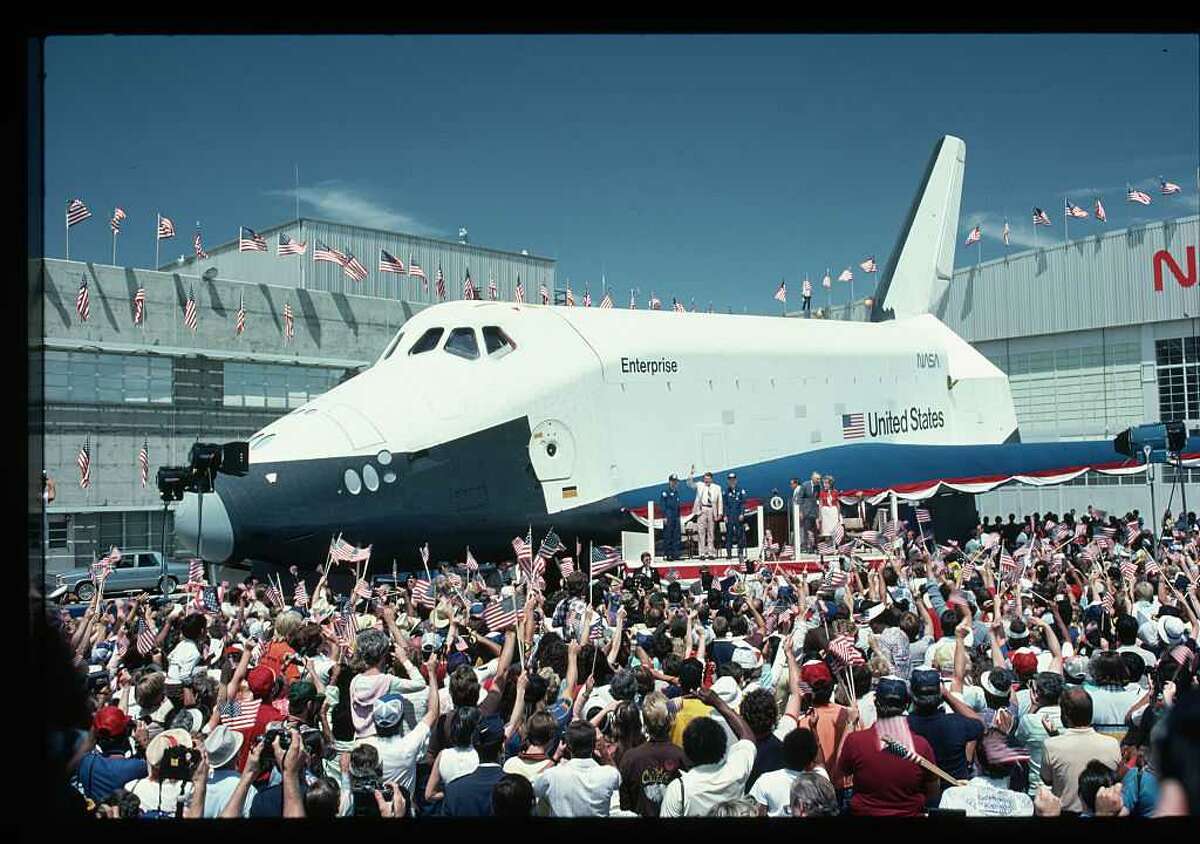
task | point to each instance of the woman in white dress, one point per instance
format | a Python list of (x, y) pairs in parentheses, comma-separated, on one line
[(830, 510)]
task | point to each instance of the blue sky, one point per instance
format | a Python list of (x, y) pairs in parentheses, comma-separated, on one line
[(705, 167)]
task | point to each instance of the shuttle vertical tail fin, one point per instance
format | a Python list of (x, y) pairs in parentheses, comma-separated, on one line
[(918, 270)]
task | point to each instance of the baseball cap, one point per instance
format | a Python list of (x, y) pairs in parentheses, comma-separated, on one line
[(302, 691), (110, 721), (926, 681), (732, 475), (388, 710), (893, 690), (672, 478), (431, 640), (261, 680), (1024, 663), (815, 671), (489, 731)]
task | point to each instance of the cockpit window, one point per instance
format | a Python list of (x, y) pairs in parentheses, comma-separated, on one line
[(392, 347), (498, 343), (429, 340), (462, 342)]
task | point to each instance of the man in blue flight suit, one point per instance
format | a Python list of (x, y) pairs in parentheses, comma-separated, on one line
[(735, 530), (670, 511)]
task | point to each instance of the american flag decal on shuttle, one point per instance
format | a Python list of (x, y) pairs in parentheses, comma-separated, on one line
[(853, 427)]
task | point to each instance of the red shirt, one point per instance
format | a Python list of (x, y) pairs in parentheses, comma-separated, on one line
[(884, 785)]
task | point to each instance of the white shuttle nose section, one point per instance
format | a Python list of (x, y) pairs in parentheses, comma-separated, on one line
[(207, 520)]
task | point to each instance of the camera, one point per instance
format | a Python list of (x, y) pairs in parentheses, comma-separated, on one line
[(179, 763), (363, 794)]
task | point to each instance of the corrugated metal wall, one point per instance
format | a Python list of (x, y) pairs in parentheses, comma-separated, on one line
[(454, 258), (1102, 280)]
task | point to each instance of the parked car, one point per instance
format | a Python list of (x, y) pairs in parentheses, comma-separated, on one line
[(137, 571)]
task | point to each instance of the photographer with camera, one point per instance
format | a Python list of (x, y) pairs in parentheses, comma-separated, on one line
[(172, 762)]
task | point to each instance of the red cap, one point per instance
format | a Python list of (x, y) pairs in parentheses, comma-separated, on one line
[(814, 672), (261, 681), (110, 721), (1024, 663)]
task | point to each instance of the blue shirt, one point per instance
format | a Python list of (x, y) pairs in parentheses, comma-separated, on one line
[(1139, 794), (101, 775), (670, 501), (470, 796), (735, 502)]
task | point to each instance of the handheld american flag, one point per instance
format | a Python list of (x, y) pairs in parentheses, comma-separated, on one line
[(923, 516), (501, 613), (146, 636), (422, 593), (844, 652), (566, 566), (195, 571), (472, 565), (604, 558), (551, 545)]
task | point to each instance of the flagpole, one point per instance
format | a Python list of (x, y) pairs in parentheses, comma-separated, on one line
[(1066, 221), (157, 239), (67, 230), (114, 258)]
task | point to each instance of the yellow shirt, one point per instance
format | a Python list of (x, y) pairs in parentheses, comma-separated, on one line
[(690, 709)]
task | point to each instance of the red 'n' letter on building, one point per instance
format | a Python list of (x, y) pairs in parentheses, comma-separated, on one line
[(1164, 257)]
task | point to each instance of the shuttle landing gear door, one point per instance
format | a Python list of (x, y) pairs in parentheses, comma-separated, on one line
[(552, 451)]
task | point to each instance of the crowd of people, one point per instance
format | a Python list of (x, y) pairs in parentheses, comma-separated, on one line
[(1043, 671)]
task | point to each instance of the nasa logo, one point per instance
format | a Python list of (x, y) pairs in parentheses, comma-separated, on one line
[(1164, 257), (928, 360)]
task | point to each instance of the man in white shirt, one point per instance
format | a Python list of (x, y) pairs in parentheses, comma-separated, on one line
[(580, 787), (773, 790), (708, 511), (716, 775), (399, 751)]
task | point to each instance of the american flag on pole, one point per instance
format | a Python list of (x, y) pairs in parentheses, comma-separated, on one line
[(1107, 601), (1132, 531), (1040, 218), (632, 300), (596, 630), (655, 303), (1100, 215), (362, 589), (300, 596), (191, 313), (77, 212), (519, 292), (975, 235), (781, 293), (545, 294), (1138, 196), (287, 246), (115, 222), (198, 245), (492, 288), (923, 516), (869, 266), (422, 593), (676, 305), (441, 285), (1129, 571), (343, 629), (806, 289), (84, 461), (83, 305), (846, 275), (472, 564), (240, 714), (524, 551), (607, 301), (352, 268), (323, 252), (468, 290), (389, 263), (566, 566), (415, 271), (570, 295), (587, 298), (1074, 210), (240, 322), (1168, 187), (893, 530), (1005, 233), (166, 229), (854, 426), (139, 305), (144, 462), (551, 545), (827, 281), (195, 570), (289, 321)]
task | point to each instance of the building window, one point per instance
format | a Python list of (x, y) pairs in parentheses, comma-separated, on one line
[(1178, 374), (277, 386), (102, 378)]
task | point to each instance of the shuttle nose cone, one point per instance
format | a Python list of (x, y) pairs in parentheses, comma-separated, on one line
[(207, 520)]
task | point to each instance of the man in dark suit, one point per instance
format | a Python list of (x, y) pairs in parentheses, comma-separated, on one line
[(806, 496), (470, 796)]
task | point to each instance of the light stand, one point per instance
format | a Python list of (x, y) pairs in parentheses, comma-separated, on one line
[(1146, 450)]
